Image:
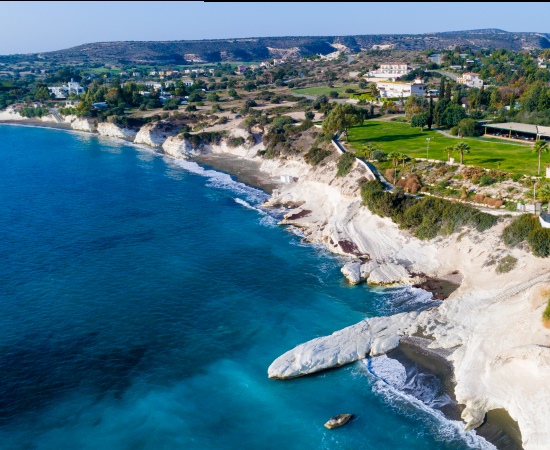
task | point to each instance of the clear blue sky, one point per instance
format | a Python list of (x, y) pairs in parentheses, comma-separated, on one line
[(29, 27)]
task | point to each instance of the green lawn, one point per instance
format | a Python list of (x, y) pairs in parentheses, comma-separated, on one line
[(484, 152), (320, 90)]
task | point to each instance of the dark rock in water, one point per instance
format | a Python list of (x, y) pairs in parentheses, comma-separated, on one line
[(338, 421)]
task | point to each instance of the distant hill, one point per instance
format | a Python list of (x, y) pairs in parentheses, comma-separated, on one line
[(257, 49)]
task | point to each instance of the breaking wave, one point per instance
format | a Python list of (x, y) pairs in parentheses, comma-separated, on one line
[(419, 395)]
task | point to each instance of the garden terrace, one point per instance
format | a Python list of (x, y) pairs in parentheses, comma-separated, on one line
[(511, 157)]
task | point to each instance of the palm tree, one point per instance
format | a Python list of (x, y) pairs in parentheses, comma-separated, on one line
[(541, 146), (402, 158), (449, 149), (544, 193), (395, 157), (461, 148)]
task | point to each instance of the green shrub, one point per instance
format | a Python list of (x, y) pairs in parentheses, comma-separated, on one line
[(486, 180), (426, 218), (546, 316), (34, 112), (506, 264), (539, 241), (236, 141), (315, 155), (345, 162), (519, 229)]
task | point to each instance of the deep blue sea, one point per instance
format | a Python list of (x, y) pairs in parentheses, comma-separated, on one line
[(142, 300)]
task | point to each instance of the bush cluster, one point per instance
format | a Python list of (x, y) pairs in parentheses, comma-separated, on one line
[(426, 218), (345, 162), (236, 141), (34, 112), (206, 137), (528, 228), (315, 155), (506, 264)]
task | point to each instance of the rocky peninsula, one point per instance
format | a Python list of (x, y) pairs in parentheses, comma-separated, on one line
[(490, 327)]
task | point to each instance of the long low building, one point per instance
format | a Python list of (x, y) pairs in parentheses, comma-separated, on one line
[(519, 131), (396, 89)]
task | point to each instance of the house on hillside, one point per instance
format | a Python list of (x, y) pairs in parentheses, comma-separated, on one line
[(393, 89), (187, 81), (390, 70), (72, 87), (470, 79), (241, 69)]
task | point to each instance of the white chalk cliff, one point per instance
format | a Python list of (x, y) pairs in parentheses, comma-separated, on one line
[(491, 325)]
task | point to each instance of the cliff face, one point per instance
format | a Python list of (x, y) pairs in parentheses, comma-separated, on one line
[(84, 124), (154, 134), (113, 130)]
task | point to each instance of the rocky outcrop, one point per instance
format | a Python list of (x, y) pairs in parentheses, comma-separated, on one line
[(178, 147), (338, 421), (154, 134), (373, 336), (84, 124), (389, 273), (352, 272), (11, 113), (113, 130)]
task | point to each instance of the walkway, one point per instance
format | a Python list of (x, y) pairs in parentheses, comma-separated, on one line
[(522, 287), (452, 76), (56, 116)]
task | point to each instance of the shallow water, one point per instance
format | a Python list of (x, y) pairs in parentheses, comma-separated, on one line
[(142, 300)]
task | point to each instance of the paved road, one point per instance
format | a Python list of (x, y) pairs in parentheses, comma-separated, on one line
[(452, 76)]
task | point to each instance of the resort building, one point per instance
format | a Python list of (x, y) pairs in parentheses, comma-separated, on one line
[(470, 79), (518, 131), (72, 87), (391, 70), (393, 89)]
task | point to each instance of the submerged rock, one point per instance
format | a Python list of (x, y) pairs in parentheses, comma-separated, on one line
[(352, 272), (338, 421)]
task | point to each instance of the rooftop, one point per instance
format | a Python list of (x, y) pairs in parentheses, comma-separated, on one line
[(521, 127)]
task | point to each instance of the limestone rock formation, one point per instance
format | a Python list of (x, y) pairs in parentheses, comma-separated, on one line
[(352, 272)]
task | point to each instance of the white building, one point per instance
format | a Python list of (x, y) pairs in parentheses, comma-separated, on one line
[(470, 79), (391, 70), (187, 81), (393, 89), (72, 87)]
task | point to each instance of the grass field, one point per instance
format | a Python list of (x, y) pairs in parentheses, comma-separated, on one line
[(320, 90), (484, 152)]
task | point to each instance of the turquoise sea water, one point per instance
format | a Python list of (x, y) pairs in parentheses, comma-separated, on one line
[(142, 300)]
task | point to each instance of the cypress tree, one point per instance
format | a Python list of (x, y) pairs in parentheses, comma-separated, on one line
[(442, 88), (430, 114), (448, 92)]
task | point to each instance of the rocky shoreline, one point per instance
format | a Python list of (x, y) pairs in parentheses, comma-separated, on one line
[(489, 327)]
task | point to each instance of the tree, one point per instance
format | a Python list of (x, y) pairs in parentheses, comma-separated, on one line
[(540, 147), (452, 115), (461, 148), (430, 120), (213, 97), (310, 115), (442, 88), (468, 127), (342, 117), (419, 120), (449, 149)]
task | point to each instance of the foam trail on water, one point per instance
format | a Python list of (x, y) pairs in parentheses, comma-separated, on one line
[(390, 378), (222, 180)]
